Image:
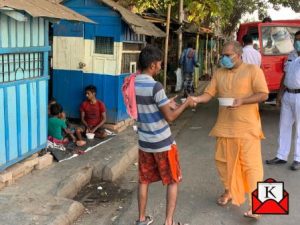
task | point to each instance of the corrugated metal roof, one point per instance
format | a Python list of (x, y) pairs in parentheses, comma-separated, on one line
[(193, 28), (136, 22), (44, 8)]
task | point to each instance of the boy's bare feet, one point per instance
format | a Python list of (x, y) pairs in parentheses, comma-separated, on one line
[(80, 143)]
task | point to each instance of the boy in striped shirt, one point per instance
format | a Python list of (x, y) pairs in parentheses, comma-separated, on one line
[(158, 156)]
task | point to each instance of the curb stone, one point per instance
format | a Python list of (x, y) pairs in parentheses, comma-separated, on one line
[(115, 168), (41, 210), (75, 211), (70, 187)]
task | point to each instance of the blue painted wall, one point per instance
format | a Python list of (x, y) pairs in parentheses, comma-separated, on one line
[(23, 101), (108, 22), (68, 29), (71, 84)]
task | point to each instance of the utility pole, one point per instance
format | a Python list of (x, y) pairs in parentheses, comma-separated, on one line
[(167, 46), (180, 16)]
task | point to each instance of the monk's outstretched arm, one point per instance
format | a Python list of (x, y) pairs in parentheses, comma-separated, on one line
[(205, 97)]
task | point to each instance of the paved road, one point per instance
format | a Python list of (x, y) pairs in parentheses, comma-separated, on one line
[(201, 186)]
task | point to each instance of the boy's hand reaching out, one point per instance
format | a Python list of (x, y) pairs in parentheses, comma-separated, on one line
[(191, 102), (173, 104)]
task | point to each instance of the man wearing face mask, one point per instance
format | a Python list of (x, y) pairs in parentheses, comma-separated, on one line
[(293, 55), (238, 129), (290, 110)]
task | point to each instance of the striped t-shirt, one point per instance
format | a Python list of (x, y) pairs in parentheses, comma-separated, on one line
[(153, 130)]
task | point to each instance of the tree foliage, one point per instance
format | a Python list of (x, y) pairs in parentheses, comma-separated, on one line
[(204, 12), (294, 4), (212, 13), (142, 5), (241, 7)]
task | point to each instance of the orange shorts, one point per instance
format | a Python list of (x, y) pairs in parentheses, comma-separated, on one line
[(162, 166)]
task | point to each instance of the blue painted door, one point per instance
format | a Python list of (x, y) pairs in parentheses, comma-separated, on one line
[(23, 119)]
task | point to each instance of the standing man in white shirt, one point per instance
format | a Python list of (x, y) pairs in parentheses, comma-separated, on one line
[(250, 55), (290, 111), (293, 55)]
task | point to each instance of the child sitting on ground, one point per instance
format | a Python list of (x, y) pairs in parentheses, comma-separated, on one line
[(93, 115), (62, 114), (57, 128)]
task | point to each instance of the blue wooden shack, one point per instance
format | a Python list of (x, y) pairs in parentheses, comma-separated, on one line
[(102, 54), (24, 48)]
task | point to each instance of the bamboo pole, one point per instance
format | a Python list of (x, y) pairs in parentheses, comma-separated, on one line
[(197, 69), (218, 49), (206, 55), (180, 17), (167, 46), (211, 55), (211, 49)]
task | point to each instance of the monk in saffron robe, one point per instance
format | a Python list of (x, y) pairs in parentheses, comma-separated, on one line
[(238, 129)]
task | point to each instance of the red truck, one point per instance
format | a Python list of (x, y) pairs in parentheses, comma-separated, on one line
[(275, 41)]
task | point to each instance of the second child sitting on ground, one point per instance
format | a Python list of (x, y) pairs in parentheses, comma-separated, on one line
[(93, 115), (57, 127), (62, 115)]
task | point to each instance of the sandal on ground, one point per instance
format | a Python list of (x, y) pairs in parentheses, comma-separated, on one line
[(179, 223), (224, 199), (148, 220), (249, 214)]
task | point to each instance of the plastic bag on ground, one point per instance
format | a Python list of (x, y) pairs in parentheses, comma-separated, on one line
[(178, 79)]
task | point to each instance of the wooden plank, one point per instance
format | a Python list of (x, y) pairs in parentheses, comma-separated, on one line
[(27, 34), (4, 31), (41, 32), (12, 123), (21, 34), (2, 129), (12, 33), (15, 15), (34, 32), (24, 119)]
